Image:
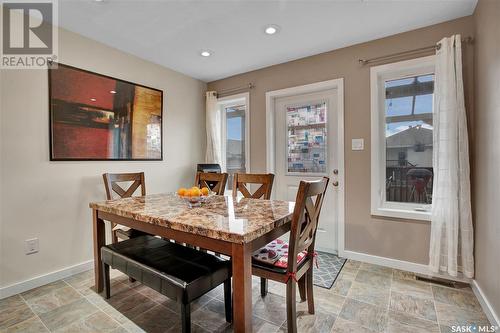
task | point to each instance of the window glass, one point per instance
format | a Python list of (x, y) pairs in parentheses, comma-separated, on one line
[(307, 139), (408, 136), (235, 141)]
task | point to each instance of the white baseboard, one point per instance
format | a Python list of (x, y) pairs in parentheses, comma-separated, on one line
[(38, 281), (485, 304), (399, 264)]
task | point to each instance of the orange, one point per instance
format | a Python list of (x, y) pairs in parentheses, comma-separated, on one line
[(204, 191), (195, 192), (182, 191)]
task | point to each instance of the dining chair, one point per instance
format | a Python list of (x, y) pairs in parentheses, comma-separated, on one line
[(295, 265), (216, 182), (115, 183), (240, 181)]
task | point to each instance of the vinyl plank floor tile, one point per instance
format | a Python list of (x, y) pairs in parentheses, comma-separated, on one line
[(375, 295), (80, 277), (271, 308), (158, 319), (32, 325), (132, 305), (320, 322), (43, 290), (376, 269), (327, 302), (461, 299), (341, 286), (412, 287), (374, 278), (13, 310), (450, 315), (403, 323), (364, 314), (53, 299), (346, 326), (414, 306), (68, 314), (352, 264), (98, 322), (210, 317), (259, 325)]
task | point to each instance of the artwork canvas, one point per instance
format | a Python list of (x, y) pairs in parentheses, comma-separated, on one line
[(97, 117)]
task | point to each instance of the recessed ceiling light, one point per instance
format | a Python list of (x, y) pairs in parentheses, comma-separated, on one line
[(271, 29), (205, 53), (112, 92), (93, 99)]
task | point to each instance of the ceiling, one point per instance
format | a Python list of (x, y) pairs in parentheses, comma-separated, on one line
[(173, 33)]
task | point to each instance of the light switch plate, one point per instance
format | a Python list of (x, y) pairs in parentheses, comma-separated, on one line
[(31, 246), (358, 144)]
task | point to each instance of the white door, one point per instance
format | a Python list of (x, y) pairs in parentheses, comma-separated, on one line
[(306, 149)]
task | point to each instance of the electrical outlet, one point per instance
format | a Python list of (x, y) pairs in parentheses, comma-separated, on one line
[(31, 246)]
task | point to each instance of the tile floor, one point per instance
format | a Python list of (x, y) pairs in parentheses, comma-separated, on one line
[(365, 298)]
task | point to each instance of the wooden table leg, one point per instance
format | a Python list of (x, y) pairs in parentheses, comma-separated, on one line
[(99, 241), (242, 287)]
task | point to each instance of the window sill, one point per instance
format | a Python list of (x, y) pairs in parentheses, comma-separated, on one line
[(402, 214)]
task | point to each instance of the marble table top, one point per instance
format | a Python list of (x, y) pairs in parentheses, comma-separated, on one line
[(239, 220)]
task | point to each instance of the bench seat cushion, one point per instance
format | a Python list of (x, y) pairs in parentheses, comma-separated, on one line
[(128, 233), (180, 273)]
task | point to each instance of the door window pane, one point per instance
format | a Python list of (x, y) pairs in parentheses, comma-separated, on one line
[(306, 132), (408, 136), (235, 141)]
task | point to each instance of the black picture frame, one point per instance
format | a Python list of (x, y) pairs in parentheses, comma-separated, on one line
[(55, 66)]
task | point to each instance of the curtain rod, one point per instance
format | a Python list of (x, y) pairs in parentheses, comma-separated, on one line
[(466, 40), (235, 89)]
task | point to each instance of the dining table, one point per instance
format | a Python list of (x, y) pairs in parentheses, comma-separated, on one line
[(233, 226)]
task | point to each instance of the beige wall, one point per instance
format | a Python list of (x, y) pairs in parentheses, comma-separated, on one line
[(487, 150), (49, 200), (399, 239)]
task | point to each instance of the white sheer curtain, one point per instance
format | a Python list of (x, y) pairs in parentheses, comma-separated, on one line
[(214, 131), (451, 245)]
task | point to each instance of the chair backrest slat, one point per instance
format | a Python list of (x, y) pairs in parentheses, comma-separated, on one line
[(265, 181), (305, 219), (112, 180), (216, 182)]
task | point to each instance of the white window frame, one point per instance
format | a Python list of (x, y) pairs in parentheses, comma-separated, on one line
[(378, 76), (228, 101)]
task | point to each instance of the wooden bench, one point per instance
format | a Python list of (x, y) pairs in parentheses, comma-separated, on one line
[(178, 272)]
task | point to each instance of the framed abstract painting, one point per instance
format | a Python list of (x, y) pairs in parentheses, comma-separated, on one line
[(97, 117)]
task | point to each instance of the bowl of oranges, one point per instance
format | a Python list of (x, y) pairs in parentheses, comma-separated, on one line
[(194, 195)]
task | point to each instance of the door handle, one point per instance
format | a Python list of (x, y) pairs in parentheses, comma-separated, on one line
[(335, 183)]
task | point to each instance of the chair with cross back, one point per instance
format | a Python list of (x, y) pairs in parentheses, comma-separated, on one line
[(124, 185), (292, 263), (241, 181)]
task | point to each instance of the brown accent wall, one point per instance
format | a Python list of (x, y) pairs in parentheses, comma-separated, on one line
[(486, 175), (393, 238)]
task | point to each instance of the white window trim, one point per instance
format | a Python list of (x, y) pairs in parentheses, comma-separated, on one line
[(379, 74), (224, 102)]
